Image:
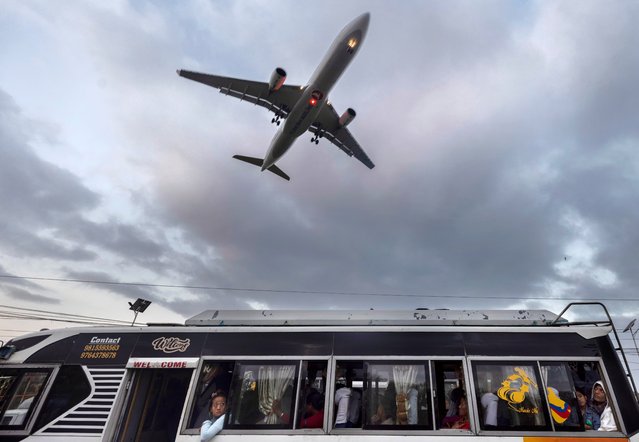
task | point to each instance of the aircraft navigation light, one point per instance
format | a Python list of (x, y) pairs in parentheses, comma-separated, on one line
[(313, 101), (352, 43)]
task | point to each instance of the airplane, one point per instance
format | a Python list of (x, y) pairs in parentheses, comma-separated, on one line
[(302, 107)]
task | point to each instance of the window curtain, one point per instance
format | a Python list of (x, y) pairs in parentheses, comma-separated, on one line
[(404, 377), (272, 381)]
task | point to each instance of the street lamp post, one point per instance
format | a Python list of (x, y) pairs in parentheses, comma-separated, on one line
[(138, 307)]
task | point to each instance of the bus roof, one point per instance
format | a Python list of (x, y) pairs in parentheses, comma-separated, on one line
[(416, 317)]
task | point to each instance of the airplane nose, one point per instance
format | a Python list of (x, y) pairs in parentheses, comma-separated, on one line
[(364, 20)]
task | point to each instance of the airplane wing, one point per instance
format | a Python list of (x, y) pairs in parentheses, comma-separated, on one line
[(280, 102), (327, 125)]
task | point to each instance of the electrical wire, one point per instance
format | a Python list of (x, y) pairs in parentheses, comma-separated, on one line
[(303, 292), (63, 314)]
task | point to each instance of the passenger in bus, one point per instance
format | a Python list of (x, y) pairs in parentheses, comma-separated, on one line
[(602, 407), (460, 421), (386, 413), (215, 378), (454, 397), (215, 422), (584, 375), (348, 403), (489, 403), (314, 415), (588, 413)]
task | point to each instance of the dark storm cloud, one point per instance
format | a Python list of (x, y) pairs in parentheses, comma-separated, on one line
[(186, 301), (35, 195), (111, 284), (25, 295), (466, 199), (13, 286), (44, 211), (15, 280), (490, 125), (33, 190)]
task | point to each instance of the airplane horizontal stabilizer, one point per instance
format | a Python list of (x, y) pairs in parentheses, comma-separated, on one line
[(258, 162)]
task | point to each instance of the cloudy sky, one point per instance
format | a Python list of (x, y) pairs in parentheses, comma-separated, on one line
[(505, 135)]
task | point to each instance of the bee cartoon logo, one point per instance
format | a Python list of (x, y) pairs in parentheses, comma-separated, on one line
[(514, 390)]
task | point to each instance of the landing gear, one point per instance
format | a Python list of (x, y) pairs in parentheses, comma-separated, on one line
[(319, 134), (279, 114)]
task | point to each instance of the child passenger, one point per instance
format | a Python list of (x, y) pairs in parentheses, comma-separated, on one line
[(217, 410)]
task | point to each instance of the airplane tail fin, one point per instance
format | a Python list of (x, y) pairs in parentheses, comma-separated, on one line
[(258, 162)]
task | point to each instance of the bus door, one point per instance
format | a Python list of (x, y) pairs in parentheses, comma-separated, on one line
[(154, 399)]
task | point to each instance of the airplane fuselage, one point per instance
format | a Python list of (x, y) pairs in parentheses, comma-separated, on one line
[(315, 93)]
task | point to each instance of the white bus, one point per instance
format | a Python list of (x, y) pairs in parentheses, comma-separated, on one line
[(406, 375)]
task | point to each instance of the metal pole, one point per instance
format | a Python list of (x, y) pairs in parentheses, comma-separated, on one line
[(134, 317), (633, 339)]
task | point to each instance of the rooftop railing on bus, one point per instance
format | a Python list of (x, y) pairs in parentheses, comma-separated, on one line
[(560, 321)]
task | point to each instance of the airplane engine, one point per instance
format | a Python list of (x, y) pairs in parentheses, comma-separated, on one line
[(347, 117), (277, 79)]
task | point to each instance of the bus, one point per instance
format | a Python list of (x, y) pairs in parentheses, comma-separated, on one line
[(496, 375)]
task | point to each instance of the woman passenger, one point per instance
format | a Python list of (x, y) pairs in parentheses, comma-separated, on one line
[(314, 416), (217, 410), (589, 414), (460, 421)]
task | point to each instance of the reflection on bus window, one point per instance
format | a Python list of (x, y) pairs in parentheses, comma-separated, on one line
[(510, 397), (451, 388), (349, 383), (397, 394), (70, 387), (312, 395), (215, 376), (19, 390), (262, 395), (562, 397)]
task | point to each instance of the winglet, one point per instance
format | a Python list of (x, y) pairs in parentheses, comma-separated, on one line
[(258, 162)]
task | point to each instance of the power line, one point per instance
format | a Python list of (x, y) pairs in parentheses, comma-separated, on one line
[(46, 318), (63, 314), (303, 292), (3, 330)]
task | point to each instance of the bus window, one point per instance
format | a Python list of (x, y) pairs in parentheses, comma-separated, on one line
[(153, 408), (70, 387), (451, 389), (510, 396), (215, 375), (397, 395), (562, 397), (593, 401), (349, 385), (19, 393), (262, 395), (312, 395)]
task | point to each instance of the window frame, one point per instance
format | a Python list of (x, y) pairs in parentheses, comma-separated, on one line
[(428, 361), (381, 427), (538, 360), (263, 427), (297, 359), (26, 429)]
